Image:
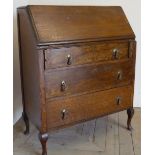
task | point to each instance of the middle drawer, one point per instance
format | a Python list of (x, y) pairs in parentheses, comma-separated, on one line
[(88, 78)]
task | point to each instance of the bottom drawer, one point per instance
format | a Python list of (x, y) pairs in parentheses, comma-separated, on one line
[(70, 110)]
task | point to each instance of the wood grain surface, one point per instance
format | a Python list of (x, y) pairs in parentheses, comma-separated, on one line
[(85, 107), (88, 78), (64, 23), (84, 54), (29, 69)]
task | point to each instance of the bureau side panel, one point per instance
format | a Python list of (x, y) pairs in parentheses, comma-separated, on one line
[(132, 55), (29, 68)]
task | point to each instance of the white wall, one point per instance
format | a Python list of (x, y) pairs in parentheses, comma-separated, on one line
[(17, 99), (132, 10)]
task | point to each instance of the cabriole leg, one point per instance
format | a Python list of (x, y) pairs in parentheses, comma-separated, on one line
[(130, 113), (43, 139), (26, 120)]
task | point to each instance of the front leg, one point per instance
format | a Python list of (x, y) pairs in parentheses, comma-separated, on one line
[(43, 139), (130, 113)]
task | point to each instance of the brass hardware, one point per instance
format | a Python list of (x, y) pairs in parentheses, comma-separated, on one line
[(115, 53), (63, 86), (119, 75), (63, 114), (69, 59), (118, 100)]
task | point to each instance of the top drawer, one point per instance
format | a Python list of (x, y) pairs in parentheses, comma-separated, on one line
[(84, 54)]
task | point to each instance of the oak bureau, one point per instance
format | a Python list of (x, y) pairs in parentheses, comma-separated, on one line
[(77, 64)]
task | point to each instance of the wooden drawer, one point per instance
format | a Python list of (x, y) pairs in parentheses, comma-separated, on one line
[(84, 54), (68, 110), (101, 76)]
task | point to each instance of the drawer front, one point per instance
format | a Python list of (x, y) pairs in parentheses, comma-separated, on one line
[(69, 110), (84, 54), (71, 56), (111, 51), (61, 82)]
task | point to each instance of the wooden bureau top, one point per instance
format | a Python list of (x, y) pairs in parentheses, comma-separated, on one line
[(67, 24)]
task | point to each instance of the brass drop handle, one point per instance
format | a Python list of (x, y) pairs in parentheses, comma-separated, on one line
[(63, 85), (69, 59), (118, 100), (63, 114), (115, 53), (119, 75)]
